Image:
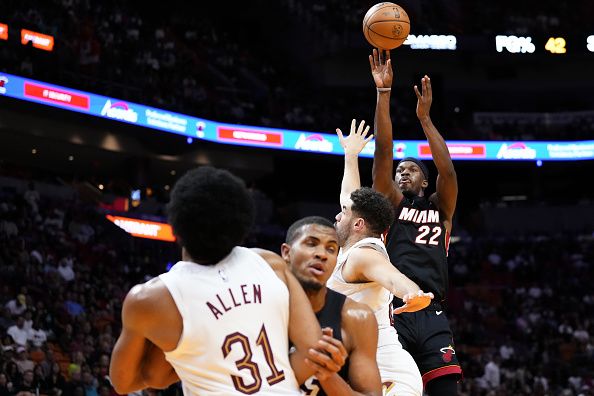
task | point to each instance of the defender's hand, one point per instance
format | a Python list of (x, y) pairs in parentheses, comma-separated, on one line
[(357, 139), (414, 302)]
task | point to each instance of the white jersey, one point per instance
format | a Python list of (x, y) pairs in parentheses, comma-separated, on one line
[(235, 327), (396, 365)]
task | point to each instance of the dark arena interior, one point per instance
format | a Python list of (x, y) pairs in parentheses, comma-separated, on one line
[(104, 105)]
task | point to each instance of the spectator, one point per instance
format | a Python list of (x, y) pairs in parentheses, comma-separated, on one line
[(32, 198), (17, 306), (37, 336), (55, 383), (5, 386), (492, 376), (22, 360), (18, 333), (65, 270), (27, 386)]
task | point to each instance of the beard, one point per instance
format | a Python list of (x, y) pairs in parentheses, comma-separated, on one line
[(309, 284), (409, 193)]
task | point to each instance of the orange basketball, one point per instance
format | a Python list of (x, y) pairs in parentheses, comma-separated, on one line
[(386, 26)]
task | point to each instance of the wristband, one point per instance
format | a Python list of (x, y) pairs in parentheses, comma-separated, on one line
[(384, 89)]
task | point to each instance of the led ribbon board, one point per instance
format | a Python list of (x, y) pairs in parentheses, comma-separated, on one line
[(275, 139), (144, 228)]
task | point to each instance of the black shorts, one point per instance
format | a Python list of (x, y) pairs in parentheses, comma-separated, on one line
[(427, 336)]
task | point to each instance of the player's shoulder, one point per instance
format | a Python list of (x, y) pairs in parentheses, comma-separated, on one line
[(363, 254), (276, 262), (146, 299), (357, 314)]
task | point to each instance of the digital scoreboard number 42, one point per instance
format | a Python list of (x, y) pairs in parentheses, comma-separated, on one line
[(556, 45)]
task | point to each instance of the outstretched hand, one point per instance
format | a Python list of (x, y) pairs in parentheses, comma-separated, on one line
[(424, 100), (357, 139), (381, 68), (414, 302)]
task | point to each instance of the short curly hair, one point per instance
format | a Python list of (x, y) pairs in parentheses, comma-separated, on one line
[(210, 211), (374, 208)]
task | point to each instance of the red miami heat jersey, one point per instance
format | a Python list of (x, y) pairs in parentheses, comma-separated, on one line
[(417, 244)]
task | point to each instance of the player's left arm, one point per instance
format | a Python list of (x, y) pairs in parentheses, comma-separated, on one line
[(447, 182), (360, 326), (352, 145)]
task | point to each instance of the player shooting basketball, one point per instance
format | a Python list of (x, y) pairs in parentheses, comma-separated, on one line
[(418, 239)]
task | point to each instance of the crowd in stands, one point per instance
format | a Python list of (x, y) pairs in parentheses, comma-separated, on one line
[(522, 309), (335, 17), (208, 64)]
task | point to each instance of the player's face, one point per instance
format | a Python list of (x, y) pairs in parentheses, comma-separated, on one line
[(312, 257), (409, 178), (343, 223)]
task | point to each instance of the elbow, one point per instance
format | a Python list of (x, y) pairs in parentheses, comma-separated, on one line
[(121, 383), (120, 388), (159, 380)]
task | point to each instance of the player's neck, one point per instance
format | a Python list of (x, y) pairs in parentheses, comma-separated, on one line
[(351, 240), (317, 298)]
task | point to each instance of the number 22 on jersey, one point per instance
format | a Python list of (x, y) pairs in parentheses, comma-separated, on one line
[(427, 235)]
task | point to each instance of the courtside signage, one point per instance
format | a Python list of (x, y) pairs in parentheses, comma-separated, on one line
[(278, 139), (143, 228)]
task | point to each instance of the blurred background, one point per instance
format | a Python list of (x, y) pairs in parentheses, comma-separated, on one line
[(515, 73)]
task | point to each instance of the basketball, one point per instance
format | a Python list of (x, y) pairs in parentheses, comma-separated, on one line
[(386, 26)]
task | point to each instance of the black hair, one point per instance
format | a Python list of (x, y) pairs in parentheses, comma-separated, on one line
[(210, 211), (294, 230), (419, 163), (374, 208)]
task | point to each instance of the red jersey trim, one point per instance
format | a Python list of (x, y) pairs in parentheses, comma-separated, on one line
[(440, 372)]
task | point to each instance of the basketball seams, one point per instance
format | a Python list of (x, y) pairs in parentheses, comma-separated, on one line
[(388, 37), (387, 5)]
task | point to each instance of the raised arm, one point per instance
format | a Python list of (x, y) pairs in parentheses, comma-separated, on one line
[(447, 183), (368, 265), (352, 145), (383, 157)]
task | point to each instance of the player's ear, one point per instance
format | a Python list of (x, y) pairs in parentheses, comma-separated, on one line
[(425, 184), (359, 224), (285, 251)]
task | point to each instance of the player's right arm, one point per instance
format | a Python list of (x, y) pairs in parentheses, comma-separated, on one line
[(383, 157), (360, 332), (368, 265), (125, 367)]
